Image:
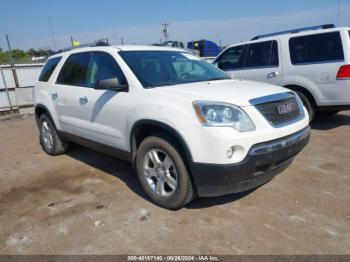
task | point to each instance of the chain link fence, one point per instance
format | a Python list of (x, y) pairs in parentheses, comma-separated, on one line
[(17, 86)]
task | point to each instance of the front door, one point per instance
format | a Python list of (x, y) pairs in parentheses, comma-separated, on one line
[(104, 112), (257, 61)]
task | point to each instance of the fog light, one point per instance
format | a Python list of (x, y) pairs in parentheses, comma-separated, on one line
[(230, 152)]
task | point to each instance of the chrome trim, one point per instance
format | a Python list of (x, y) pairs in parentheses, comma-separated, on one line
[(271, 98), (282, 143)]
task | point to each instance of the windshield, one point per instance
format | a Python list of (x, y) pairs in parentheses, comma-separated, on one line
[(167, 43), (162, 68)]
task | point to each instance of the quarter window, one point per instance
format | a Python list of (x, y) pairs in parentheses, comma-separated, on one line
[(74, 70), (49, 68), (103, 66), (263, 54), (317, 48)]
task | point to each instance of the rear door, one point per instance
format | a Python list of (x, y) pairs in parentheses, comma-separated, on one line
[(261, 63), (70, 83)]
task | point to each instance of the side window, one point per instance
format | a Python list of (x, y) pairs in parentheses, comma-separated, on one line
[(263, 54), (74, 70), (232, 58), (103, 66), (325, 47), (49, 68)]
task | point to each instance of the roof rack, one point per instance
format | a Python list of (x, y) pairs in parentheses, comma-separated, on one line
[(293, 31), (99, 43)]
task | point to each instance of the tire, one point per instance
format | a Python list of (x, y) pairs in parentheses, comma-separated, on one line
[(49, 140), (158, 161), (309, 105)]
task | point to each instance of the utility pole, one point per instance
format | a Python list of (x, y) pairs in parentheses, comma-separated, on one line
[(14, 73), (10, 51), (338, 13), (52, 33), (165, 31)]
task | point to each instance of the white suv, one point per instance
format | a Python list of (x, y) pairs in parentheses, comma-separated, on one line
[(187, 128), (312, 61)]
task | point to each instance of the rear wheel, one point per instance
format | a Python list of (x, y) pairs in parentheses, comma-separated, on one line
[(162, 172), (49, 140), (309, 105), (325, 114)]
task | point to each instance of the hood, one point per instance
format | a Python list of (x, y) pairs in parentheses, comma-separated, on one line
[(237, 92)]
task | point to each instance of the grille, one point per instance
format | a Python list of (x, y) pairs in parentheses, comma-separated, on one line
[(275, 112)]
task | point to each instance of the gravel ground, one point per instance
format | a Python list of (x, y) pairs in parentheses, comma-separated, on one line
[(85, 202)]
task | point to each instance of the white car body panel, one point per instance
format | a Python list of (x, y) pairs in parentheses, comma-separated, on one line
[(108, 116), (318, 78)]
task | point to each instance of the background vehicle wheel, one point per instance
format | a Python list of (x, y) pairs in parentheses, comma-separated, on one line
[(49, 140), (325, 114), (310, 107), (163, 173)]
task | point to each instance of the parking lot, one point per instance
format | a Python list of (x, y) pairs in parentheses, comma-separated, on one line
[(89, 203)]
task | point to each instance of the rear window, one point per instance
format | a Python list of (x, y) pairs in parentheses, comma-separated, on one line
[(74, 70), (49, 68), (316, 48)]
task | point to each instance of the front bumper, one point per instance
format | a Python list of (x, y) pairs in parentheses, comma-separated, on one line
[(262, 163)]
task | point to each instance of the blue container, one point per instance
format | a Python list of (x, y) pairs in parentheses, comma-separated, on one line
[(206, 48)]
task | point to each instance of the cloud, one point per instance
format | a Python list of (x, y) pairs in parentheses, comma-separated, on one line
[(225, 30)]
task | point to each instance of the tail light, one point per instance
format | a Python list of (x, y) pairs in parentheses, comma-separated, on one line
[(344, 72)]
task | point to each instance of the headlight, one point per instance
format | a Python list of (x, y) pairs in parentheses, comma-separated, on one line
[(222, 114)]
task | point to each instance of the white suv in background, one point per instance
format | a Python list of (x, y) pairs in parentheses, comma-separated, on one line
[(312, 61), (187, 128)]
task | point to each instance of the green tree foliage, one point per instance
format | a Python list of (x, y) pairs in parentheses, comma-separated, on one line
[(19, 56)]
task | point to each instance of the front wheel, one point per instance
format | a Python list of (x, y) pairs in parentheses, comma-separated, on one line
[(162, 172)]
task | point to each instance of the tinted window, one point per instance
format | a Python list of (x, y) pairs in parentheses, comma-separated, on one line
[(263, 54), (48, 69), (316, 48), (181, 45), (74, 70), (232, 58), (103, 66)]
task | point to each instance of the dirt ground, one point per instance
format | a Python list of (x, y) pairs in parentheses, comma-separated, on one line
[(89, 203)]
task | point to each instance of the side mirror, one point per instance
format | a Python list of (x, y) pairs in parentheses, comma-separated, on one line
[(112, 84), (221, 65)]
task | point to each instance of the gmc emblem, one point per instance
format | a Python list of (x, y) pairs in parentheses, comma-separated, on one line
[(286, 108)]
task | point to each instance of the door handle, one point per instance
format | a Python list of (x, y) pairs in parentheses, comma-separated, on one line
[(272, 74), (83, 100), (54, 95)]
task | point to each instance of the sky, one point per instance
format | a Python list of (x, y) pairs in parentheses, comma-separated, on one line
[(139, 22)]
